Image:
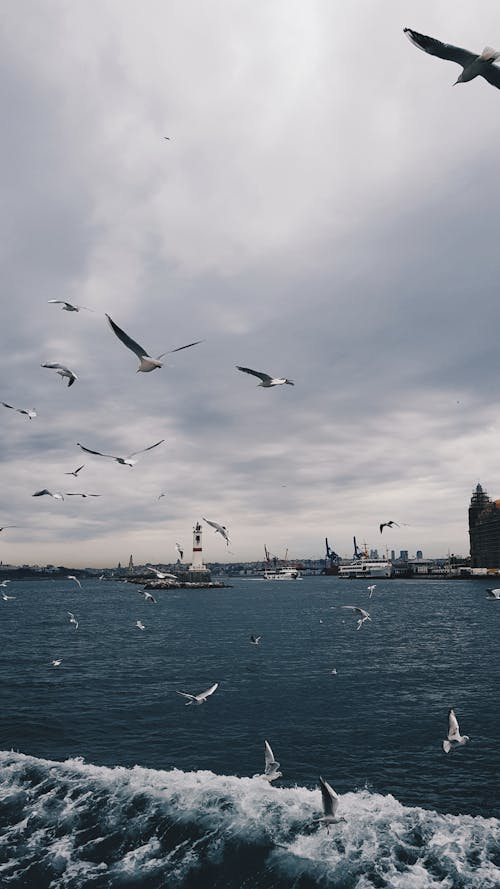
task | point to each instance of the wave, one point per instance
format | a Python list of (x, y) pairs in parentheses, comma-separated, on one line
[(72, 825)]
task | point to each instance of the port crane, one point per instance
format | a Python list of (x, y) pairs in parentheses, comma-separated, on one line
[(332, 559)]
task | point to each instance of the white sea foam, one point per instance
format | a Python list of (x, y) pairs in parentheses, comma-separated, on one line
[(78, 822)]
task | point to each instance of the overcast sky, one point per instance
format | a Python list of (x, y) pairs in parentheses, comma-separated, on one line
[(327, 209)]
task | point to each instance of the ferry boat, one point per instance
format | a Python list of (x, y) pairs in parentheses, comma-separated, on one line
[(367, 568), (281, 573)]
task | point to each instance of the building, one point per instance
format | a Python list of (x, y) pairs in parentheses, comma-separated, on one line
[(484, 530)]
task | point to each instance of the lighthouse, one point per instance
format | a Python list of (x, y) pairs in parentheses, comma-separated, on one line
[(197, 563)]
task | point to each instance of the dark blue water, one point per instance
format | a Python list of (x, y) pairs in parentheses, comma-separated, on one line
[(188, 814)]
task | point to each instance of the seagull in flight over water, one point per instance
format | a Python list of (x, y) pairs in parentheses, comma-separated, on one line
[(454, 737), (125, 461), (473, 64), (56, 662), (147, 363), (271, 771), (492, 594), (68, 307), (7, 598), (62, 371), (73, 620), (219, 529), (255, 640), (72, 577), (361, 611), (31, 413), (57, 495), (330, 801), (139, 624), (201, 698), (160, 574), (265, 380), (147, 596), (371, 588)]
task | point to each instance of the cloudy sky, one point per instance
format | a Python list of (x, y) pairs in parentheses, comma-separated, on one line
[(327, 209)]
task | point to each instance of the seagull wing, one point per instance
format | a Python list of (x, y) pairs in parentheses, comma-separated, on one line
[(59, 302), (491, 73), (453, 728), (127, 340), (54, 366), (329, 797), (446, 51), (207, 693), (9, 405), (350, 607), (150, 448), (186, 695), (97, 453), (180, 348), (41, 493), (255, 373), (271, 763), (212, 524)]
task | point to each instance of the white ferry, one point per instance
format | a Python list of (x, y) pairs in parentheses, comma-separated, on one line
[(282, 573), (367, 568)]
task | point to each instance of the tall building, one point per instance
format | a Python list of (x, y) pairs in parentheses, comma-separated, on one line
[(197, 563), (484, 530)]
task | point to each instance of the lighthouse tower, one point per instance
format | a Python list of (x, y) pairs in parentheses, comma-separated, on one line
[(197, 563)]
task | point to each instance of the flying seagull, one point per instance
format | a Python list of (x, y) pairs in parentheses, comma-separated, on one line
[(473, 65), (75, 471), (179, 550), (255, 640), (454, 737), (7, 526), (125, 461), (371, 588), (56, 662), (147, 596), (7, 598), (31, 413), (265, 380), (72, 577), (4, 583), (201, 698), (160, 574), (147, 363), (361, 611), (219, 529), (387, 525), (57, 495), (271, 771), (160, 496), (77, 494), (139, 624), (330, 802), (73, 620), (68, 307), (62, 371), (492, 594)]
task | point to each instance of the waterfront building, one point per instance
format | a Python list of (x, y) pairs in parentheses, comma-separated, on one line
[(484, 530)]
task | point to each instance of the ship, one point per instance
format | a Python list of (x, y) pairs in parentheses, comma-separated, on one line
[(367, 568), (282, 573)]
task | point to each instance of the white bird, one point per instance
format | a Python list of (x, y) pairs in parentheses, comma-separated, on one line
[(334, 671), (255, 640), (73, 620), (72, 577), (201, 698), (125, 461), (31, 413), (361, 611), (75, 471), (147, 363), (370, 589), (473, 64), (271, 771), (57, 495), (265, 380), (79, 494), (140, 625), (330, 801), (56, 662), (180, 551), (160, 574), (454, 737), (4, 583), (68, 307), (147, 596), (62, 371), (219, 529), (492, 594), (7, 598)]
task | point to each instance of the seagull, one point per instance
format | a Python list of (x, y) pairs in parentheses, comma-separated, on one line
[(330, 802), (361, 611), (255, 640), (147, 363), (78, 494), (371, 588), (31, 413), (266, 380), (7, 598), (68, 307), (387, 525), (201, 698), (57, 495), (75, 471), (125, 461), (167, 138), (160, 496), (492, 594), (454, 737), (62, 371), (160, 574), (271, 771), (72, 577), (72, 619), (179, 550), (140, 625), (219, 529), (473, 65), (334, 672), (5, 527), (147, 596), (4, 583), (56, 662)]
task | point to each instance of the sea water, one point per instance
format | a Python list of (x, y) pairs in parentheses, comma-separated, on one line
[(107, 779)]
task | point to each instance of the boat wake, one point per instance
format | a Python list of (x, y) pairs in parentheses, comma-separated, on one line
[(70, 825)]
